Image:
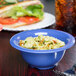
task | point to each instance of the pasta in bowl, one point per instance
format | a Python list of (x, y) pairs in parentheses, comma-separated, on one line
[(41, 43)]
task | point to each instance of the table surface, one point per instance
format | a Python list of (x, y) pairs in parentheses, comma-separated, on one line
[(12, 63)]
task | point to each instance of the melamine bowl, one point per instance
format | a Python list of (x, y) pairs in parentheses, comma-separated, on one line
[(43, 59)]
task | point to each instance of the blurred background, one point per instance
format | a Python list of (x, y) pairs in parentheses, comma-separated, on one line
[(49, 6)]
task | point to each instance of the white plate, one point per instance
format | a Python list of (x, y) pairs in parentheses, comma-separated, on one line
[(48, 20)]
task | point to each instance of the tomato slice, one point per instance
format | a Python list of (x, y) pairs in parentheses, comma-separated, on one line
[(8, 21), (23, 19), (28, 20)]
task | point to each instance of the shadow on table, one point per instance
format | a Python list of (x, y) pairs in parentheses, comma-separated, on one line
[(51, 72), (37, 72)]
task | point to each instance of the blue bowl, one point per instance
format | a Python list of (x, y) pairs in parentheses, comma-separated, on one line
[(43, 59)]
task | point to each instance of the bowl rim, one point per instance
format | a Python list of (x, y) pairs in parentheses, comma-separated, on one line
[(68, 45)]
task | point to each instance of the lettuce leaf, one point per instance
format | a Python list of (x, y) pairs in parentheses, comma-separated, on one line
[(32, 10)]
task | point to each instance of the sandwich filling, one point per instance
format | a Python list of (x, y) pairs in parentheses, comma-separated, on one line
[(28, 15)]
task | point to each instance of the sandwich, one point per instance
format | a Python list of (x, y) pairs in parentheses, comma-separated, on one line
[(21, 14)]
